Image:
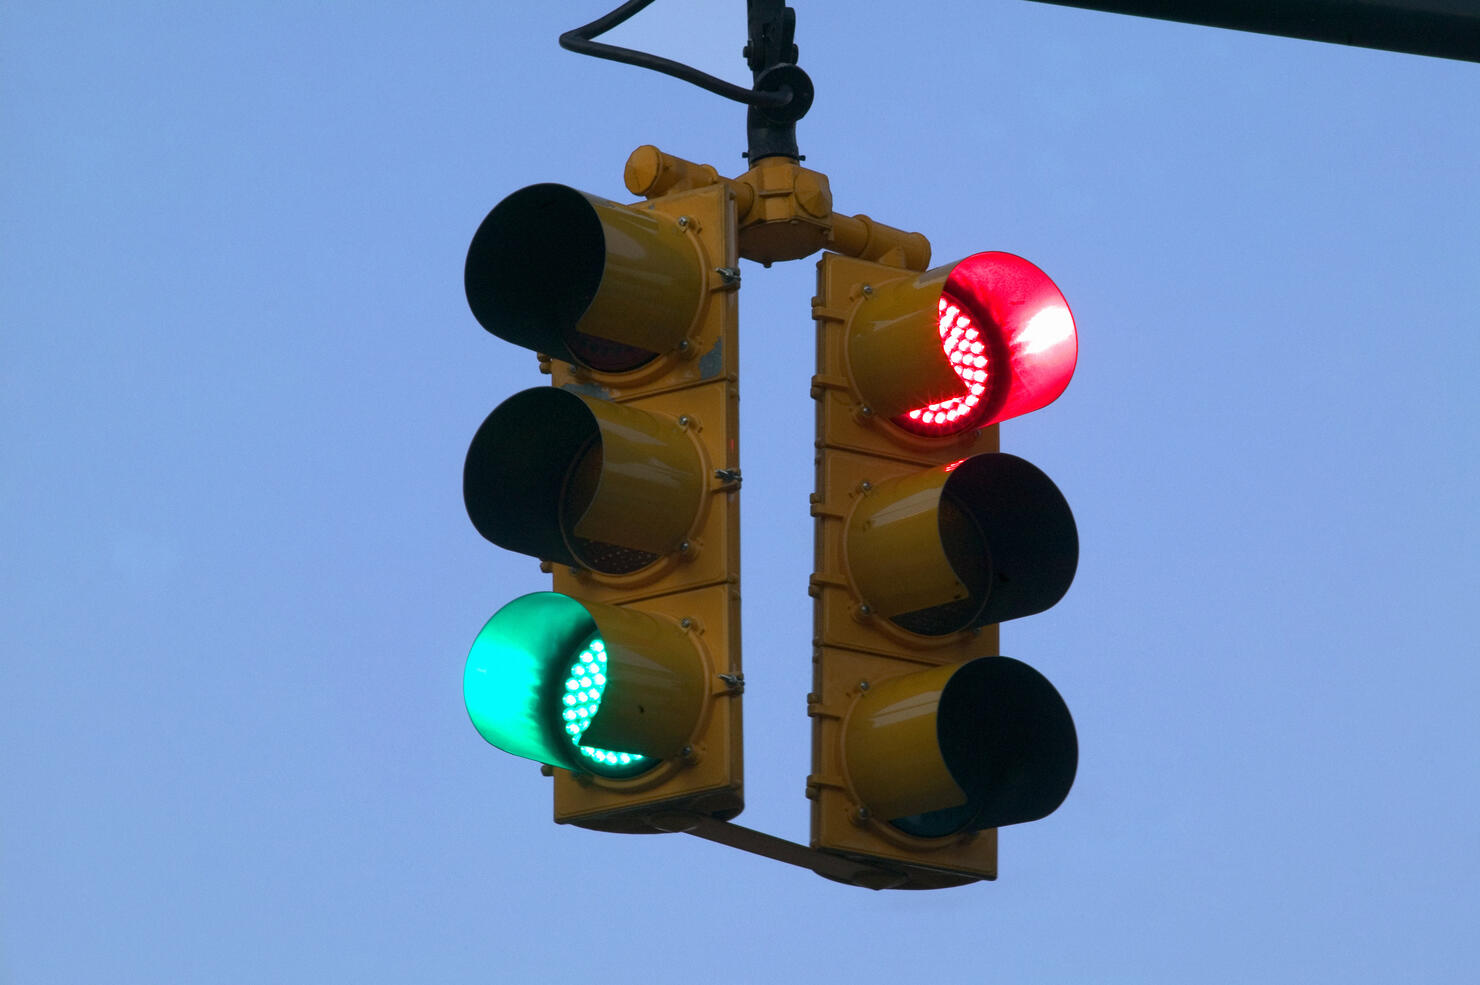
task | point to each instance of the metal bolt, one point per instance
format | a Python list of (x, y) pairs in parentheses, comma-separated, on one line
[(683, 420), (686, 622), (865, 411), (683, 222), (864, 609), (683, 346), (863, 685), (868, 290), (865, 486)]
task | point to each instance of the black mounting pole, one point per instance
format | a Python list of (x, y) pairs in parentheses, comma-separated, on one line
[(771, 54), (780, 95)]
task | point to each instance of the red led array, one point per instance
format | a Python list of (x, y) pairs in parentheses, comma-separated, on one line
[(1008, 335), (962, 343)]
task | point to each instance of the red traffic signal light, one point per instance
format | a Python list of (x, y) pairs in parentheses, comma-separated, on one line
[(962, 346)]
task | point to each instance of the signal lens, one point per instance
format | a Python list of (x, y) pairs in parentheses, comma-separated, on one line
[(535, 680), (1008, 335), (605, 355), (962, 342), (584, 683)]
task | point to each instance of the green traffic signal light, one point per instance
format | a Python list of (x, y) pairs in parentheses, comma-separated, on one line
[(587, 687), (584, 684)]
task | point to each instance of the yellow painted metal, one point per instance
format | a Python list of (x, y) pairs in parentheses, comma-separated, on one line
[(652, 174), (790, 211), (695, 393), (891, 750), (655, 684), (785, 210), (841, 822), (652, 284), (878, 490), (895, 554), (705, 774), (894, 351), (862, 237), (639, 484)]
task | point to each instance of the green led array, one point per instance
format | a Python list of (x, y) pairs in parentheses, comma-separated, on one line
[(585, 681)]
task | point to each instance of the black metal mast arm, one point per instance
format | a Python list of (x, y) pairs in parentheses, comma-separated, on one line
[(1441, 28)]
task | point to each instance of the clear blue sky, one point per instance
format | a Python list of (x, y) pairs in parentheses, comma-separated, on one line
[(237, 584)]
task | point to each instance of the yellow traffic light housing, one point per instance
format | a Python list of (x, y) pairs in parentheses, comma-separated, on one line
[(622, 477), (924, 740)]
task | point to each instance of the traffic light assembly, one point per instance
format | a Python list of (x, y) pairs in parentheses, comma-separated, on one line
[(623, 479), (927, 537)]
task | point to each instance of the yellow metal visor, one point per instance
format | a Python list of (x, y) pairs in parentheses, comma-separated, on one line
[(962, 545), (583, 279), (655, 688), (585, 482), (893, 753), (961, 747), (894, 351)]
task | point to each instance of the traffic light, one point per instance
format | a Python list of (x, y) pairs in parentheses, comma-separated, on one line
[(622, 477), (925, 740)]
